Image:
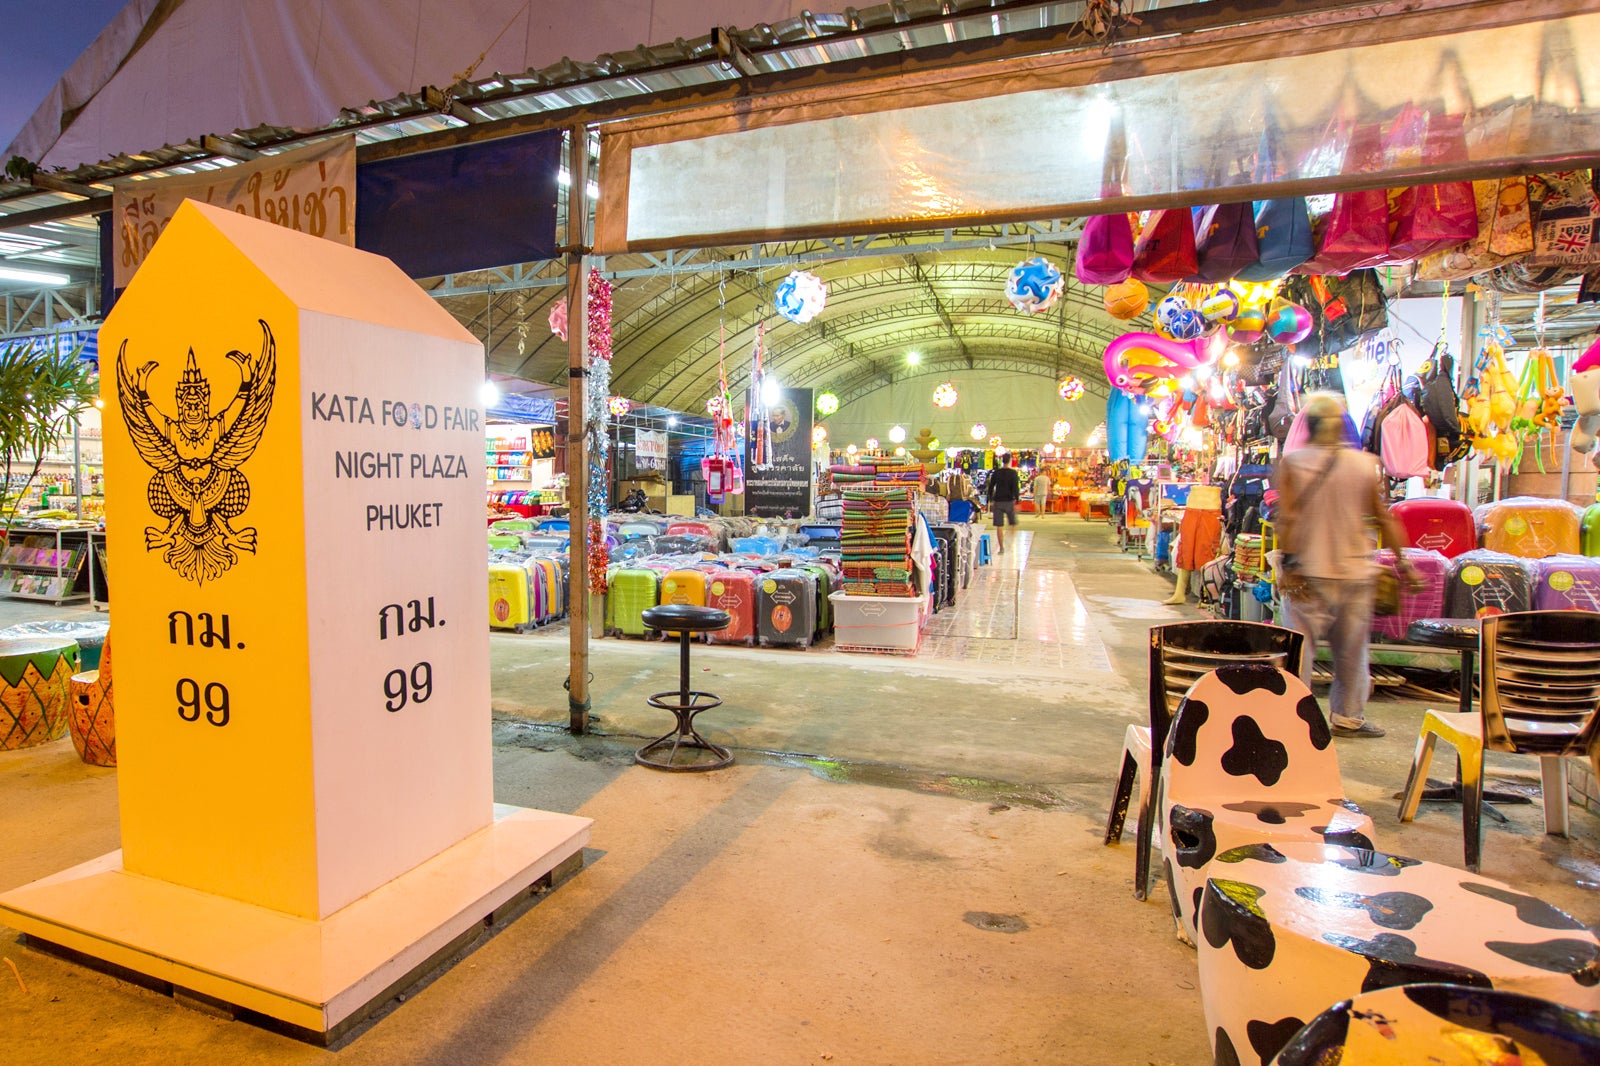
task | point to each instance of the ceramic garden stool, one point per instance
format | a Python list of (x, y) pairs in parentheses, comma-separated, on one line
[(1249, 759), (34, 692), (686, 621), (91, 719), (89, 633), (1445, 1025), (1287, 929)]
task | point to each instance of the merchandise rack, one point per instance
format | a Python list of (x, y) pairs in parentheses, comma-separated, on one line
[(56, 575)]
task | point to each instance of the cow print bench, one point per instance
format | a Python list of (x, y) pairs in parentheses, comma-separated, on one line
[(1249, 760), (1287, 929)]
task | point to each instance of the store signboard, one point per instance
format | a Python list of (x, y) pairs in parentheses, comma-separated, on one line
[(650, 447), (293, 448), (312, 190), (781, 488)]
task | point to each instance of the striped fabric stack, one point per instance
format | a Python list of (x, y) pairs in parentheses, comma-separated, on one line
[(876, 541)]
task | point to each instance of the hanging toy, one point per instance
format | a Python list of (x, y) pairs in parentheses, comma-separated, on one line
[(1584, 381), (1186, 325), (1220, 306), (1126, 300), (1135, 361), (558, 318), (800, 297), (1034, 285), (1171, 304), (1248, 326)]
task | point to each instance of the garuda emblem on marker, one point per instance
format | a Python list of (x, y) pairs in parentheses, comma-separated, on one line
[(198, 486)]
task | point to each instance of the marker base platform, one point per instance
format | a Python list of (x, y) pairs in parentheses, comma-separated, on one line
[(314, 980)]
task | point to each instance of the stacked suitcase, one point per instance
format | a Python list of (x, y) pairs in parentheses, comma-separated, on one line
[(1444, 526), (1566, 583), (733, 591), (632, 591), (1482, 583), (1530, 527), (786, 608), (1427, 602)]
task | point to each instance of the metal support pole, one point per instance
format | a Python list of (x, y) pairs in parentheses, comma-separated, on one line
[(577, 425)]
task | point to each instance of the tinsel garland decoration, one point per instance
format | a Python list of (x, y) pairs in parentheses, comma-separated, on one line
[(598, 394), (599, 316), (599, 557)]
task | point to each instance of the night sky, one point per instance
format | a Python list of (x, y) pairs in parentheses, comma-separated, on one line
[(38, 42)]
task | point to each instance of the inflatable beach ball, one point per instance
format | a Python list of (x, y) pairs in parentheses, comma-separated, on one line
[(1186, 325), (1034, 285), (1220, 306), (1288, 323), (1248, 325), (1127, 299)]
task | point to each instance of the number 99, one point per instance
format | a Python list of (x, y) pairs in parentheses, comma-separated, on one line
[(400, 688)]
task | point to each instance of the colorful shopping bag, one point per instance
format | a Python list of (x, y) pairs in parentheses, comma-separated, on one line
[(1105, 251), (1225, 240), (1165, 250)]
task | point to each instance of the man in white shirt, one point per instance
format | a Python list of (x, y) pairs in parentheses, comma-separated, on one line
[(1041, 492)]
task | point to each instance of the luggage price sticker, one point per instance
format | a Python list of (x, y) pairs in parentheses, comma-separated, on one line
[(769, 586), (1561, 581), (718, 588), (1472, 575), (1516, 525)]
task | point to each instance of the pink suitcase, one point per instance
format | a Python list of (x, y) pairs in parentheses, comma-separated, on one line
[(1428, 602), (1444, 526), (1530, 527), (1566, 583), (733, 591)]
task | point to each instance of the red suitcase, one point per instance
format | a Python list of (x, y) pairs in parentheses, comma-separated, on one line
[(1428, 602), (733, 591), (1443, 526)]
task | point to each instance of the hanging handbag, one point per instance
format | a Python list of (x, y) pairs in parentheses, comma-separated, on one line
[(1431, 218), (1105, 251), (1283, 226), (1505, 232), (1566, 228), (1385, 592), (1165, 249), (1352, 231), (1225, 240), (1343, 310)]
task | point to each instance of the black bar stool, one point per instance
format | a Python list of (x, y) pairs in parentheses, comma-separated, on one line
[(685, 620)]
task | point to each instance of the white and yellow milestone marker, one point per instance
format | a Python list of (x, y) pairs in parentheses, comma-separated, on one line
[(295, 500)]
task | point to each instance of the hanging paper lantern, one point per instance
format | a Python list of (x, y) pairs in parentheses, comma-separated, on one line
[(800, 297), (827, 403), (900, 451), (1049, 449), (995, 441), (897, 434), (819, 435), (979, 431), (1126, 299), (618, 406), (1070, 389), (1034, 285), (715, 406), (558, 318), (945, 395), (872, 444), (1059, 431), (850, 449), (1288, 323)]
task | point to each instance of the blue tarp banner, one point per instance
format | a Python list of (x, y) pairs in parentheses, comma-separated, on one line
[(540, 410), (466, 208)]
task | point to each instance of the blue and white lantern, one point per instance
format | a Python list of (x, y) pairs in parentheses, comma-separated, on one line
[(800, 297), (1034, 285)]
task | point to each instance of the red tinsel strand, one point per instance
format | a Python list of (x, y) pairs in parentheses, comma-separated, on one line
[(599, 557), (599, 309)]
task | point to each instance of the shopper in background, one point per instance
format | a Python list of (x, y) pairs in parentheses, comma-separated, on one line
[(1041, 491), (1330, 495), (1005, 488)]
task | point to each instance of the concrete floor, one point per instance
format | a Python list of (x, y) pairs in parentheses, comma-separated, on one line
[(905, 866)]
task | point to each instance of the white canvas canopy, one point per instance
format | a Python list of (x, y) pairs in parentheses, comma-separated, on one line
[(167, 71)]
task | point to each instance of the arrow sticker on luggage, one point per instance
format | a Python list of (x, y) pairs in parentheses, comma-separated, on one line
[(783, 595), (732, 599), (872, 610), (1435, 541)]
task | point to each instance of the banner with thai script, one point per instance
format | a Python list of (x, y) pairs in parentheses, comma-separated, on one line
[(312, 190), (650, 448)]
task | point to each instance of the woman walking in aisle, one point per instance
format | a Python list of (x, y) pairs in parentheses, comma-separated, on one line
[(1329, 497)]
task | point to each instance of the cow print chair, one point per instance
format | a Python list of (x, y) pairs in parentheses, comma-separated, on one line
[(1180, 654), (1448, 1025), (1286, 929), (1249, 759)]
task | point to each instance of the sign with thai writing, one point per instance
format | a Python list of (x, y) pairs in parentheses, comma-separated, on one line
[(311, 190), (650, 448), (780, 487), (293, 448)]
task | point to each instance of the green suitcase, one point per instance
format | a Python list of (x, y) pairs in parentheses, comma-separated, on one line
[(1589, 531), (633, 591)]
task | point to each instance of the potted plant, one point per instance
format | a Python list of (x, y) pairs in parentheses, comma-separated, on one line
[(43, 393)]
